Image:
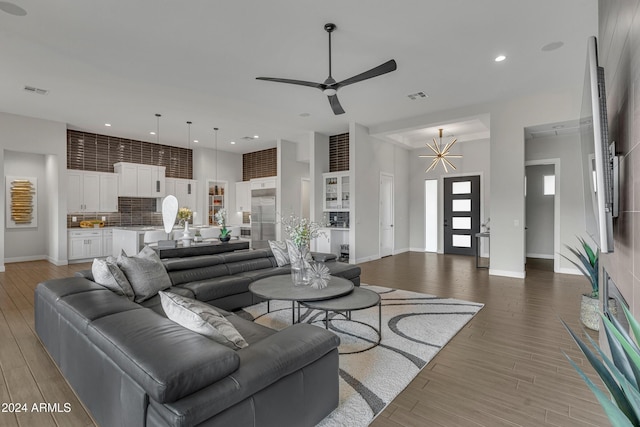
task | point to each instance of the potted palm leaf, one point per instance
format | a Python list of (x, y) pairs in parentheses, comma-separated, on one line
[(619, 373), (588, 264)]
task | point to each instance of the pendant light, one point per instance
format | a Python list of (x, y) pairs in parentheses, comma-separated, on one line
[(189, 157), (441, 154)]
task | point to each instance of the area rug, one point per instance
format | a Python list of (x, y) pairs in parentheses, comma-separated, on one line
[(414, 328)]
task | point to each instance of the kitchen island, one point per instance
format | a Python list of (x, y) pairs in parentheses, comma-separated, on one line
[(131, 239)]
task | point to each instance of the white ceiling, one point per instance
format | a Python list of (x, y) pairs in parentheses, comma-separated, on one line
[(120, 62)]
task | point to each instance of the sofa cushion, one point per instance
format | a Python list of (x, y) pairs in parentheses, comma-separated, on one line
[(155, 304), (211, 289), (173, 264), (280, 252), (249, 265), (201, 318), (168, 361), (106, 272), (178, 277), (145, 272)]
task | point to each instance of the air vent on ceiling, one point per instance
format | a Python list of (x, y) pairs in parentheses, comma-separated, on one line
[(417, 95), (248, 138), (36, 90)]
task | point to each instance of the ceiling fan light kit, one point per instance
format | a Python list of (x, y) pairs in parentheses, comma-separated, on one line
[(330, 86)]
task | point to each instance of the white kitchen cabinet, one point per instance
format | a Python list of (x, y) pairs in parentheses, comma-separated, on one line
[(85, 244), (108, 192), (243, 196), (136, 180), (336, 192), (185, 191), (91, 192), (107, 242), (263, 183)]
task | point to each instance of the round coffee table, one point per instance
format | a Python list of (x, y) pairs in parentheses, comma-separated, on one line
[(281, 288), (358, 299)]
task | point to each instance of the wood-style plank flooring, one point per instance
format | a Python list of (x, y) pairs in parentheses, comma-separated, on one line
[(505, 368)]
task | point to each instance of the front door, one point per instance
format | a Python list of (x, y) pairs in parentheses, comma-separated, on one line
[(461, 214)]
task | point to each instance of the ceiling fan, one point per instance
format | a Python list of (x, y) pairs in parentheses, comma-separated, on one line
[(330, 87)]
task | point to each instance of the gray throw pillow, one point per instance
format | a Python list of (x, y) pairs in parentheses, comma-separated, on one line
[(201, 318), (280, 252), (107, 273), (145, 273)]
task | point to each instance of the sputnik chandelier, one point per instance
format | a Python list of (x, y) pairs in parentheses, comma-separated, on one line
[(441, 155)]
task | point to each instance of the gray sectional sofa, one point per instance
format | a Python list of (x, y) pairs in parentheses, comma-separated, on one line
[(131, 366)]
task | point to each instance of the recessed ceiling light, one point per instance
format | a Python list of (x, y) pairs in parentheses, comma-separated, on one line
[(304, 114), (232, 142), (256, 136), (107, 124), (152, 133), (196, 141), (500, 58)]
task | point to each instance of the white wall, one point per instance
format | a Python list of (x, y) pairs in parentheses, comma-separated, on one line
[(368, 158), (290, 174), (229, 170), (30, 135), (539, 213), (27, 244)]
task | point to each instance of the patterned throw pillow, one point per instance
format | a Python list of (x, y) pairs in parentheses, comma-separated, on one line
[(280, 252), (107, 273), (201, 318), (145, 273)]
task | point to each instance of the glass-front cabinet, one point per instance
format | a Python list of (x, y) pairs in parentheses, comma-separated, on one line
[(336, 191), (216, 197)]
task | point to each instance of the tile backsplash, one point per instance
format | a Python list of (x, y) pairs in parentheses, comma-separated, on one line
[(93, 152)]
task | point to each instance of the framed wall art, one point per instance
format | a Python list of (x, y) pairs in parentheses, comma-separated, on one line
[(21, 202)]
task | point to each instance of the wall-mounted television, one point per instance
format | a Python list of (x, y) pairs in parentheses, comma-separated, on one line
[(599, 162)]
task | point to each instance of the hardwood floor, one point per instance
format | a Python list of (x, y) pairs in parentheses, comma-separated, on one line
[(505, 368)]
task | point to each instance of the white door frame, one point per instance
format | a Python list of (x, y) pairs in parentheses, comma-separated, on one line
[(556, 209), (386, 175)]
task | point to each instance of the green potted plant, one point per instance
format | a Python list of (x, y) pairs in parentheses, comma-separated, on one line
[(619, 373), (221, 219), (588, 264)]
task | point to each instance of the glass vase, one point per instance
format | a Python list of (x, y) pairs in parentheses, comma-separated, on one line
[(300, 267)]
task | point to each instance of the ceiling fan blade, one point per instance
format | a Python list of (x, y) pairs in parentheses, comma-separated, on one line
[(292, 82), (385, 68), (335, 105)]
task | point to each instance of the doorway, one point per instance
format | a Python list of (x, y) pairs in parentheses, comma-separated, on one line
[(542, 210), (386, 215), (461, 219)]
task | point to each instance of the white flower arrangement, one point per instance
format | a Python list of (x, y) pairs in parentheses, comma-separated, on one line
[(221, 219), (301, 230)]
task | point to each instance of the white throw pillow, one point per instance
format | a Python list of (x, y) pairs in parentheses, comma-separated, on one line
[(201, 318), (107, 273), (145, 273)]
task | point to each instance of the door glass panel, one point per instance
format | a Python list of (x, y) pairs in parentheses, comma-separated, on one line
[(461, 187), (461, 205), (461, 240), (461, 222)]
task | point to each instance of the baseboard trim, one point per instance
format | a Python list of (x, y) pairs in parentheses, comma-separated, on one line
[(25, 258), (540, 256), (569, 270), (2, 270), (58, 262), (367, 259), (507, 273), (400, 251)]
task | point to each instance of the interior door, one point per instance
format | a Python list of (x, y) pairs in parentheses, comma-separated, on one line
[(461, 214), (386, 215)]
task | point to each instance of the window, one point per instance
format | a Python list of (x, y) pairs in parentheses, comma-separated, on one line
[(549, 185)]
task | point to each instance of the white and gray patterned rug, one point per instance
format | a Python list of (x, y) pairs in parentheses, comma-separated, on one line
[(414, 328)]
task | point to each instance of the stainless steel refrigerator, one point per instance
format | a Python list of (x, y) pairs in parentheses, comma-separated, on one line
[(263, 217)]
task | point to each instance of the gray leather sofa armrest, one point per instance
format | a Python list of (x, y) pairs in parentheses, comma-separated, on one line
[(261, 364), (323, 256), (87, 274)]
